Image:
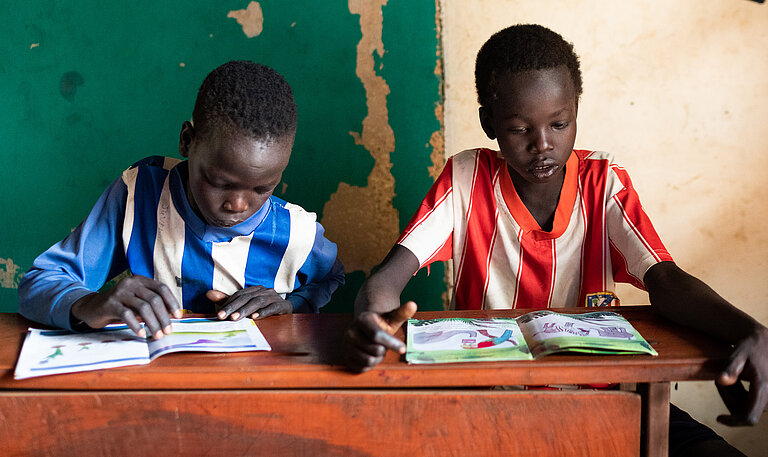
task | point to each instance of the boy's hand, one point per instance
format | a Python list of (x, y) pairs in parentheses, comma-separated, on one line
[(748, 362), (255, 301), (370, 335), (134, 298)]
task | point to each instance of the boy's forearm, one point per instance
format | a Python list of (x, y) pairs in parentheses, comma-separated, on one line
[(376, 296), (381, 292), (78, 264), (688, 301), (47, 297)]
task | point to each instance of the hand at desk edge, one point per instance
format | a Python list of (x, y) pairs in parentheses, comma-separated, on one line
[(748, 362), (370, 335)]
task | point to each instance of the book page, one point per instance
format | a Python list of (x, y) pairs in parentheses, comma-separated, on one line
[(210, 335), (47, 352), (600, 332), (464, 340)]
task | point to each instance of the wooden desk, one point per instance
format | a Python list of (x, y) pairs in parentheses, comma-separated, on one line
[(298, 400)]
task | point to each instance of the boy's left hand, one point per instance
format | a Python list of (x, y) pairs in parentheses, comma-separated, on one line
[(256, 302), (748, 362)]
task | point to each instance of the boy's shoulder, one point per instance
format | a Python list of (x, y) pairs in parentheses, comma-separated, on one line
[(472, 158), (598, 169), (292, 209), (475, 154), (150, 171), (585, 155), (160, 162), (592, 163)]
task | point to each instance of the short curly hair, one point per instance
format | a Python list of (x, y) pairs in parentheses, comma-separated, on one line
[(249, 96), (519, 48)]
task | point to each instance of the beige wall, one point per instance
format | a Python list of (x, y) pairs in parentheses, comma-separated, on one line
[(678, 91)]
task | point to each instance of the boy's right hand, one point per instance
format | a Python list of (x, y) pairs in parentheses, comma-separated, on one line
[(370, 335), (133, 298)]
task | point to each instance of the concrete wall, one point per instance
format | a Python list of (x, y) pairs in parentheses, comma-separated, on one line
[(678, 91)]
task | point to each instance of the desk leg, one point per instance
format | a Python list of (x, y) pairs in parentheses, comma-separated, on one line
[(655, 419)]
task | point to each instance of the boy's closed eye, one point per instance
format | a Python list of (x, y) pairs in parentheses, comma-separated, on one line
[(524, 130), (216, 183)]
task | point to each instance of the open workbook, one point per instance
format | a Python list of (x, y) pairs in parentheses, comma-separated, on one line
[(529, 336), (47, 352)]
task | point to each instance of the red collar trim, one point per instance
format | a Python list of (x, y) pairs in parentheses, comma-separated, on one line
[(564, 206)]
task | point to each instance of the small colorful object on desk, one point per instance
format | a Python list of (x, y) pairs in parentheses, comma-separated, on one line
[(601, 299)]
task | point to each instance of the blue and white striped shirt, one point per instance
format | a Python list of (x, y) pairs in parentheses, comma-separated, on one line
[(143, 222)]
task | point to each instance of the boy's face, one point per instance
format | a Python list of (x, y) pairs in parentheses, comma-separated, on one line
[(231, 175), (534, 122)]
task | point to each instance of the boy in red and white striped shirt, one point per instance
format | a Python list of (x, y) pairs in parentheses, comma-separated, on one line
[(504, 257), (539, 225)]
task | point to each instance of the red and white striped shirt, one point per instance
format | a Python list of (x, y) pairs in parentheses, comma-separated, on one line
[(502, 258)]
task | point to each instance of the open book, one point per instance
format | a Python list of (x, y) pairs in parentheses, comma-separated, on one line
[(529, 336), (47, 352)]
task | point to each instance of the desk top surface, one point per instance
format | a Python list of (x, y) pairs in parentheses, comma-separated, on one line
[(306, 353)]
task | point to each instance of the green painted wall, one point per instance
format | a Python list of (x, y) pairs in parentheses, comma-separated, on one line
[(89, 87)]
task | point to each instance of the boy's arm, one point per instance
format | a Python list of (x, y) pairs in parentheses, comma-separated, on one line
[(686, 300), (378, 312), (259, 302), (320, 275), (310, 297), (79, 264), (59, 289)]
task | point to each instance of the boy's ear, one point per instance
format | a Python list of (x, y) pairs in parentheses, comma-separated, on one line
[(485, 122), (186, 137)]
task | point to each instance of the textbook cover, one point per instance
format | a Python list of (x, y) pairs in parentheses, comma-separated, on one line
[(47, 352), (529, 336)]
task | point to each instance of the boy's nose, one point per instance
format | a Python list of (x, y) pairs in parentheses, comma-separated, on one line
[(235, 204), (541, 142)]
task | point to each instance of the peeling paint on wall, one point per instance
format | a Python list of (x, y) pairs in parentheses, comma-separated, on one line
[(8, 271), (437, 141), (251, 19), (364, 217)]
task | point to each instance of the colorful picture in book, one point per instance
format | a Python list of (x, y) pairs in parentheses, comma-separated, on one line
[(89, 348), (597, 324), (549, 332), (219, 341), (460, 334), (457, 339)]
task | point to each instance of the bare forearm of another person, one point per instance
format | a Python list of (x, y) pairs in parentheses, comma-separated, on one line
[(379, 313), (688, 301)]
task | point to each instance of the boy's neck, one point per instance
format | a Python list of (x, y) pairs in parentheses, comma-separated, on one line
[(540, 199), (183, 170)]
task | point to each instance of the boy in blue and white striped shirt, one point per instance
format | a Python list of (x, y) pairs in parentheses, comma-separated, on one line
[(204, 234)]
